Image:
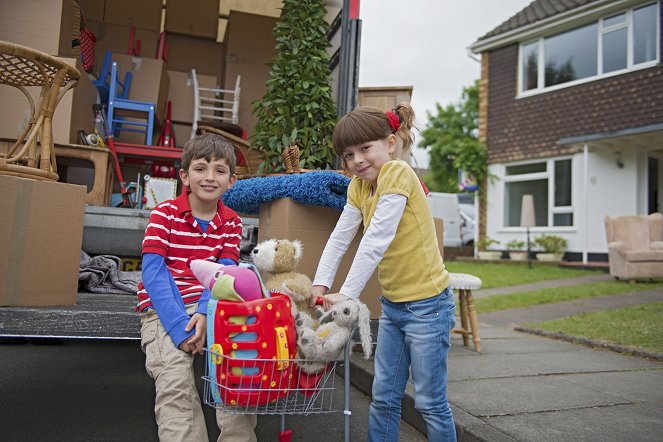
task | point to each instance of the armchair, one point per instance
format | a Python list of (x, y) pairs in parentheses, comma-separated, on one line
[(635, 246)]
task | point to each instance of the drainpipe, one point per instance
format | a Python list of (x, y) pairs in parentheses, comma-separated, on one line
[(585, 173)]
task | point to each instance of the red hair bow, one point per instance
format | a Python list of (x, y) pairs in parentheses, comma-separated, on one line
[(394, 122)]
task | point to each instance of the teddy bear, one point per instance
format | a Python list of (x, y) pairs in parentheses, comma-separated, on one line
[(335, 328), (276, 261)]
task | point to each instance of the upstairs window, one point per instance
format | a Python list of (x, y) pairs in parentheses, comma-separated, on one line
[(616, 43)]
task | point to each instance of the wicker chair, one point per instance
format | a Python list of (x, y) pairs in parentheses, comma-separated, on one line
[(23, 67)]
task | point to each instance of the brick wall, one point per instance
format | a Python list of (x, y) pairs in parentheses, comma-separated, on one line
[(531, 127)]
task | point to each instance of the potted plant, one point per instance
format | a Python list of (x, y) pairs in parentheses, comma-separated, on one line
[(553, 247), (516, 250), (487, 255)]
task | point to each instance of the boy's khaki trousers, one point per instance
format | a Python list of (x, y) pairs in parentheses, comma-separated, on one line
[(177, 405)]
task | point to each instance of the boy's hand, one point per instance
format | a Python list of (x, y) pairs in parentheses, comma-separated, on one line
[(197, 341), (317, 291)]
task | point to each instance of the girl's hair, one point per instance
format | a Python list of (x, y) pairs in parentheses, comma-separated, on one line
[(366, 124), (210, 146)]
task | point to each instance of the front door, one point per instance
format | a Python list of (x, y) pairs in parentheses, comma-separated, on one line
[(654, 182)]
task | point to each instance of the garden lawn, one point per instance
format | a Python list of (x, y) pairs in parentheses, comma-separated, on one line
[(638, 326), (501, 275), (559, 294)]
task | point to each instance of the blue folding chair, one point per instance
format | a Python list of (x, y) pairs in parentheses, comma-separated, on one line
[(119, 107)]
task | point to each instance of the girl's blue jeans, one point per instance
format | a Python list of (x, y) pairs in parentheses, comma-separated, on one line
[(413, 337)]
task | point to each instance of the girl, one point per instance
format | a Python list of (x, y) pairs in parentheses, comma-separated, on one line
[(399, 239)]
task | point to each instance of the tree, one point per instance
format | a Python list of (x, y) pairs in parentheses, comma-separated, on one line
[(453, 138), (297, 107)]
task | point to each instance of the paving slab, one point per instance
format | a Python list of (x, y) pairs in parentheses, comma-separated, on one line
[(524, 343), (492, 366), (496, 397), (642, 423), (588, 360), (634, 386), (564, 282)]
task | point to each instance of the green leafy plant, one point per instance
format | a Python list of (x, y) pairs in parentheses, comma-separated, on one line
[(298, 107), (486, 242), (515, 244), (453, 138), (552, 243)]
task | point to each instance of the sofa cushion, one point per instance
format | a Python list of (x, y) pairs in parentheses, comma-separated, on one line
[(645, 255), (633, 231), (655, 227), (656, 245)]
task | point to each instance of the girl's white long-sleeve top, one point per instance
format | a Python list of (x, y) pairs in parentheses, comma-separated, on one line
[(375, 242)]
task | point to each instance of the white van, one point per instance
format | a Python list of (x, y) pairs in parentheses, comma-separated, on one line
[(445, 206)]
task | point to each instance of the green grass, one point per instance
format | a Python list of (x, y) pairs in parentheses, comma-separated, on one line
[(638, 326), (558, 294), (501, 275)]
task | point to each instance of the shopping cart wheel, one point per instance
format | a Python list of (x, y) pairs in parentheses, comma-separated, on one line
[(285, 436)]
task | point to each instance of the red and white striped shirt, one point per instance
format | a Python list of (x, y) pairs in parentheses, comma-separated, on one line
[(173, 233)]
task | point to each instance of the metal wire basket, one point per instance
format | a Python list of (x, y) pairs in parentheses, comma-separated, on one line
[(293, 392)]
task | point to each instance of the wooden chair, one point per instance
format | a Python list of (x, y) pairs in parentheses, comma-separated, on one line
[(23, 67), (128, 108), (209, 108)]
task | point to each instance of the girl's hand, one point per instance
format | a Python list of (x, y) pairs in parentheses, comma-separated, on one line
[(317, 291), (197, 341), (333, 298)]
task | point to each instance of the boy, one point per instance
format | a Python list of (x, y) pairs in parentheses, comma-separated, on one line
[(171, 301)]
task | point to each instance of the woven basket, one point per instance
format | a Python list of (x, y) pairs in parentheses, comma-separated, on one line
[(291, 159)]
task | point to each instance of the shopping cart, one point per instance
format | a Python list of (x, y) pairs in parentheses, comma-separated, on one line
[(292, 391)]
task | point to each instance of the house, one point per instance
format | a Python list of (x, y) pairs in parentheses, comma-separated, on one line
[(572, 113)]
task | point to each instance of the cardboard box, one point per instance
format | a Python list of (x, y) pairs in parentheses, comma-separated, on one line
[(180, 93), (313, 225), (186, 53), (41, 229), (250, 45), (115, 38), (92, 9), (141, 14), (150, 81), (199, 18), (182, 133), (44, 25), (74, 111)]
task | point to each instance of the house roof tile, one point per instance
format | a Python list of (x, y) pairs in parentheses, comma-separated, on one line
[(536, 11)]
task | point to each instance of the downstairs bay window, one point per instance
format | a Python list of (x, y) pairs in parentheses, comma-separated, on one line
[(550, 184)]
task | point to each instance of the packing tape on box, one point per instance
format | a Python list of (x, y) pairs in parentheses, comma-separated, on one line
[(19, 233)]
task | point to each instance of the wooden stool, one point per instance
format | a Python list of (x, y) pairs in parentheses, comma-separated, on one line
[(102, 187), (463, 284)]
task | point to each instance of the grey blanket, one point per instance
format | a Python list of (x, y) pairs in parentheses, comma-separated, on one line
[(102, 274)]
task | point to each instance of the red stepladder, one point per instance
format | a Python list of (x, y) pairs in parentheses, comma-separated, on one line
[(167, 136)]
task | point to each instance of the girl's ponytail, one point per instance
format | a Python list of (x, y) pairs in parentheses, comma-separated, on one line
[(405, 115)]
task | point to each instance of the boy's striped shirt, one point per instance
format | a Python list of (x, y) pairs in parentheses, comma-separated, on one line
[(173, 233)]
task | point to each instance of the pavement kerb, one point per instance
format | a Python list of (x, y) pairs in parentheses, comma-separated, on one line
[(468, 427), (593, 343)]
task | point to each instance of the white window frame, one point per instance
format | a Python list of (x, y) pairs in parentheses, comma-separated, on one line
[(549, 174), (630, 67)]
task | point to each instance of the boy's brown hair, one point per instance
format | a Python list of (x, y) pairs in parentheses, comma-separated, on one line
[(211, 147)]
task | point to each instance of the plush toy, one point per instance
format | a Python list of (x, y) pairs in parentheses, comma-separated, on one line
[(231, 283), (276, 260), (325, 342)]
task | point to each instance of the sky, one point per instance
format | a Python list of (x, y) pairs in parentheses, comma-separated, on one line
[(423, 43)]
